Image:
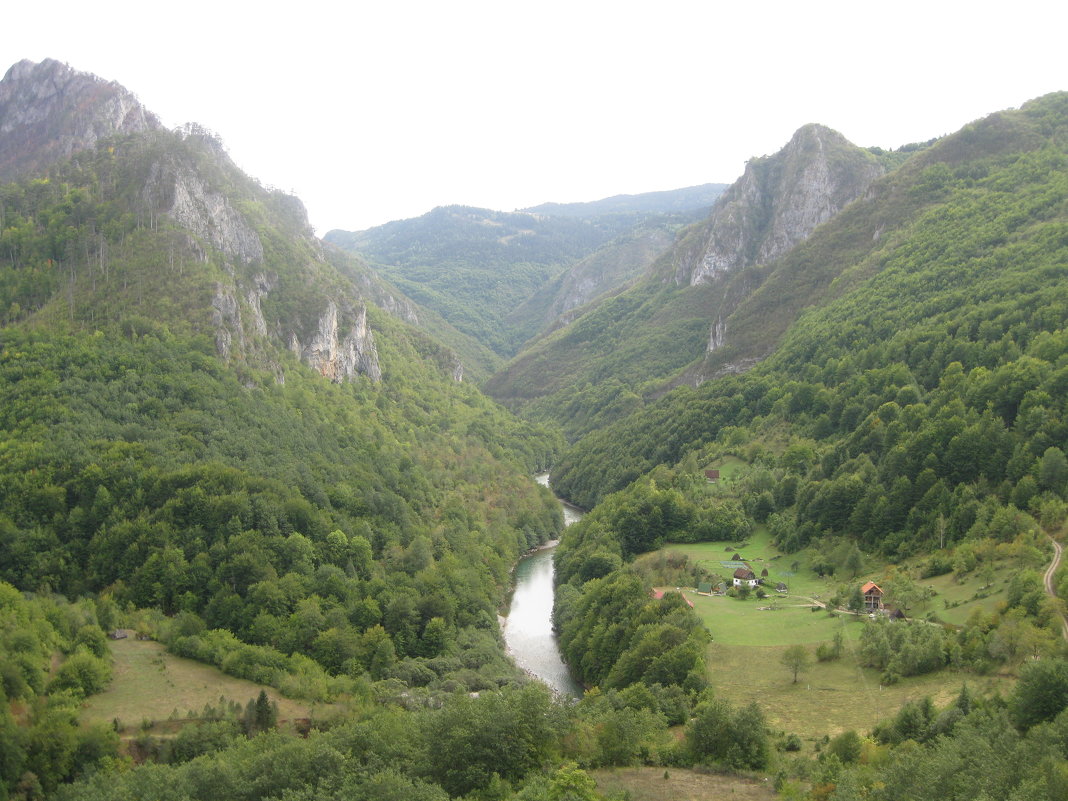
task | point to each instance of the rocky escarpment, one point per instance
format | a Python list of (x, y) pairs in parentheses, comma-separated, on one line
[(338, 345), (49, 111), (777, 203), (176, 189), (336, 356)]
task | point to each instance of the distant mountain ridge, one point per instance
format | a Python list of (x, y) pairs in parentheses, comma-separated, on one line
[(492, 274), (668, 201), (634, 342)]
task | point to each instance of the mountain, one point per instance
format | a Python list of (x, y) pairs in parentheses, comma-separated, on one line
[(671, 201), (207, 412), (49, 111), (776, 204), (488, 273), (913, 341), (632, 343), (605, 271)]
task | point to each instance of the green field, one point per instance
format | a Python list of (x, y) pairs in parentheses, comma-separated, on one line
[(151, 684), (760, 554), (750, 636), (830, 697), (752, 622)]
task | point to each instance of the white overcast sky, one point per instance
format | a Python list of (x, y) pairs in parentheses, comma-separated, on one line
[(375, 111)]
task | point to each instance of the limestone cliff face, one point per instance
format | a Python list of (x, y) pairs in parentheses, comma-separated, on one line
[(49, 111), (777, 203), (336, 356), (175, 189)]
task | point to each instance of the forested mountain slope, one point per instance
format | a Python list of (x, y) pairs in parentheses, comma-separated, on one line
[(204, 413), (606, 271), (925, 391), (626, 346), (488, 273)]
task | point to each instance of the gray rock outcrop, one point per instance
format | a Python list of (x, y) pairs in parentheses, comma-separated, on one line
[(175, 189), (777, 203), (49, 111), (340, 357)]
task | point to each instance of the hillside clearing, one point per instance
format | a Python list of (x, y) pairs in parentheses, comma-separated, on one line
[(151, 684), (649, 784), (829, 697)]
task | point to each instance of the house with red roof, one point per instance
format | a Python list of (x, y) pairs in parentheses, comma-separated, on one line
[(873, 596), (658, 594)]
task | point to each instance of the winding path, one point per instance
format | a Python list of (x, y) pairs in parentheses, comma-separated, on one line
[(1058, 552)]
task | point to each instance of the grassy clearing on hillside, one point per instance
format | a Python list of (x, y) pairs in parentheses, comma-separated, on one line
[(964, 593), (735, 622), (830, 697), (955, 599), (649, 784), (151, 684), (760, 553), (730, 469)]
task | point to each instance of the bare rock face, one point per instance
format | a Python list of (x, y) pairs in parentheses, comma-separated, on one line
[(340, 358), (262, 285), (49, 111), (777, 203), (226, 317), (177, 190)]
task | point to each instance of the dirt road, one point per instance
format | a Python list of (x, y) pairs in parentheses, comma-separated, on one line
[(1058, 550)]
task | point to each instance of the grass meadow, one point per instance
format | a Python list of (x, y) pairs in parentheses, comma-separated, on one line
[(749, 638), (150, 684), (829, 697)]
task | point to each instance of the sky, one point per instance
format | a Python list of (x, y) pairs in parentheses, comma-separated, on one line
[(376, 111)]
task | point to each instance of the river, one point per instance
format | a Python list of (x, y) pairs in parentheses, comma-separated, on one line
[(528, 629)]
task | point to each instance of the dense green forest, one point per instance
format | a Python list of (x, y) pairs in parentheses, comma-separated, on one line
[(954, 335)]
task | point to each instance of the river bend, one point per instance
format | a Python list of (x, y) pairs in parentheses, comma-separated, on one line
[(528, 631)]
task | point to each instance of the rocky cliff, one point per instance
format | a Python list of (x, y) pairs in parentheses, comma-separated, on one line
[(340, 357), (48, 111), (777, 203), (261, 303), (180, 192)]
